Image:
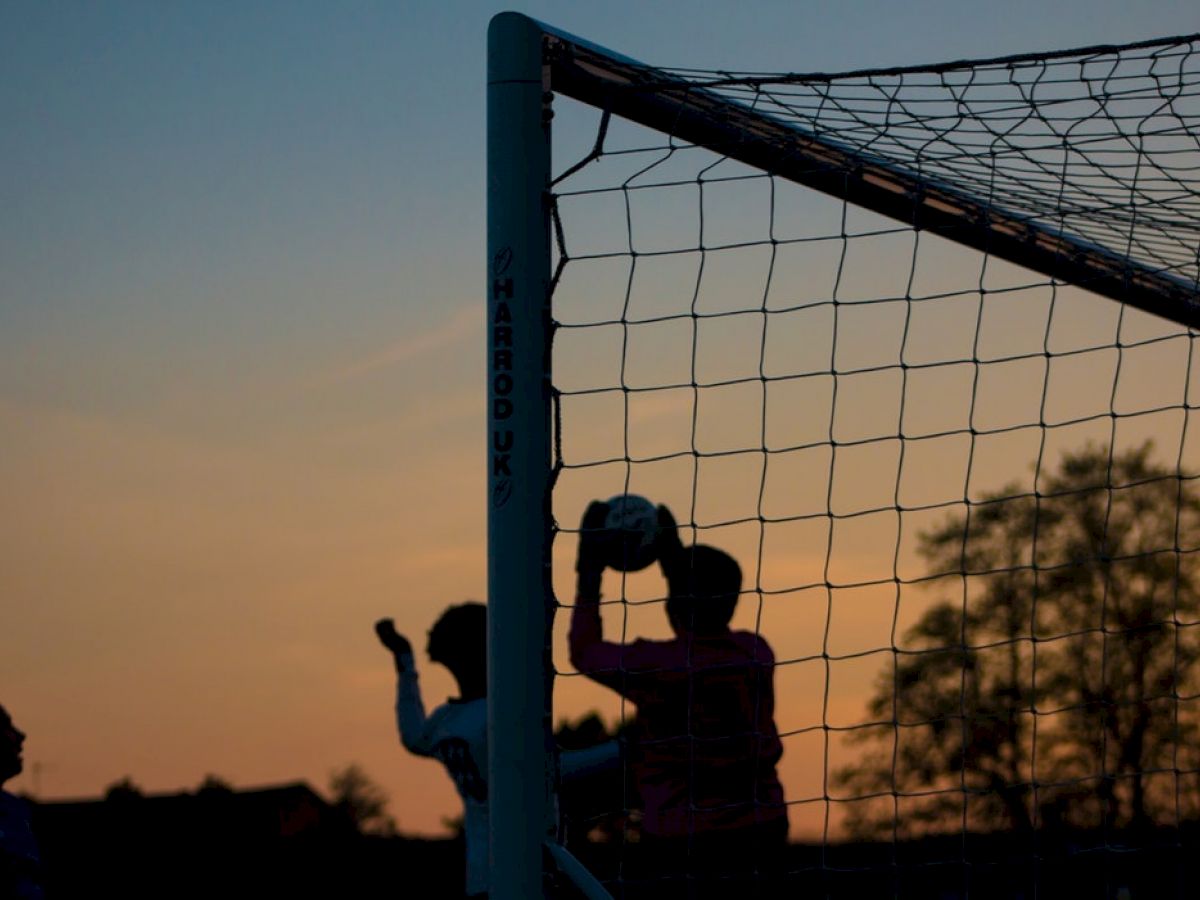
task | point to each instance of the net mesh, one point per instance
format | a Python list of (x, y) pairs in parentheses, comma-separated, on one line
[(1100, 144), (963, 494)]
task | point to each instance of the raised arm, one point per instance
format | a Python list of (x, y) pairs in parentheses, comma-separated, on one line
[(590, 653), (415, 733)]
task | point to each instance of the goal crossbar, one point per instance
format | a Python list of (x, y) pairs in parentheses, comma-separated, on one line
[(657, 99)]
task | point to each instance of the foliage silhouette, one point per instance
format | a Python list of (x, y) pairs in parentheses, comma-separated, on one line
[(123, 790), (1055, 680), (361, 800), (214, 786)]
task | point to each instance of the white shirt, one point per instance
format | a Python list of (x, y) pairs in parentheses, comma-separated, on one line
[(456, 734)]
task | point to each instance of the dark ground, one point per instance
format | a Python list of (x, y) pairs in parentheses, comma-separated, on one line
[(235, 846)]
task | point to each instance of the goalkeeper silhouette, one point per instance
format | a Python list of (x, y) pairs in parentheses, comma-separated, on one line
[(456, 732), (704, 746)]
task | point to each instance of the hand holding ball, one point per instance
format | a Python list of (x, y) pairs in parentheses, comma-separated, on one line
[(631, 533)]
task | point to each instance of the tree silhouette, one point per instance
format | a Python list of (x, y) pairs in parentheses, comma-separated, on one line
[(1055, 684), (214, 786), (361, 800), (123, 790)]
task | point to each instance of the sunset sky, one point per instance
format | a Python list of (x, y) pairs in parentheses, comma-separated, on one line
[(242, 275)]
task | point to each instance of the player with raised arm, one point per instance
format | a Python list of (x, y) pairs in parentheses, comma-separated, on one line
[(704, 747), (455, 732)]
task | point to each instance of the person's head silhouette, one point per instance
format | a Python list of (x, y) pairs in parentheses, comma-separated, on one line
[(704, 585), (12, 739), (458, 641)]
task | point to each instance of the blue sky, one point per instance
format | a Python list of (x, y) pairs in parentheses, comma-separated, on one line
[(159, 157)]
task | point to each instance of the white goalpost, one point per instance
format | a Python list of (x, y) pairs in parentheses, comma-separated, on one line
[(519, 527), (916, 347)]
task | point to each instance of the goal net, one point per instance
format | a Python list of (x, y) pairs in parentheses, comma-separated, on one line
[(915, 348)]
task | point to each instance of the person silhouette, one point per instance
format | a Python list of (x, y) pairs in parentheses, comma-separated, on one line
[(704, 745), (455, 733), (20, 862)]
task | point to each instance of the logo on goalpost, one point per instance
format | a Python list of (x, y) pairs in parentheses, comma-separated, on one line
[(501, 379)]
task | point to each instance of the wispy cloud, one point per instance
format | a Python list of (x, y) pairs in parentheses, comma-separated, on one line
[(464, 324)]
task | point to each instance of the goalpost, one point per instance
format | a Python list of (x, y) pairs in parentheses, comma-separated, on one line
[(916, 347)]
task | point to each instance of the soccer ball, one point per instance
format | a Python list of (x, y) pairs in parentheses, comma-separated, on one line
[(634, 520)]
